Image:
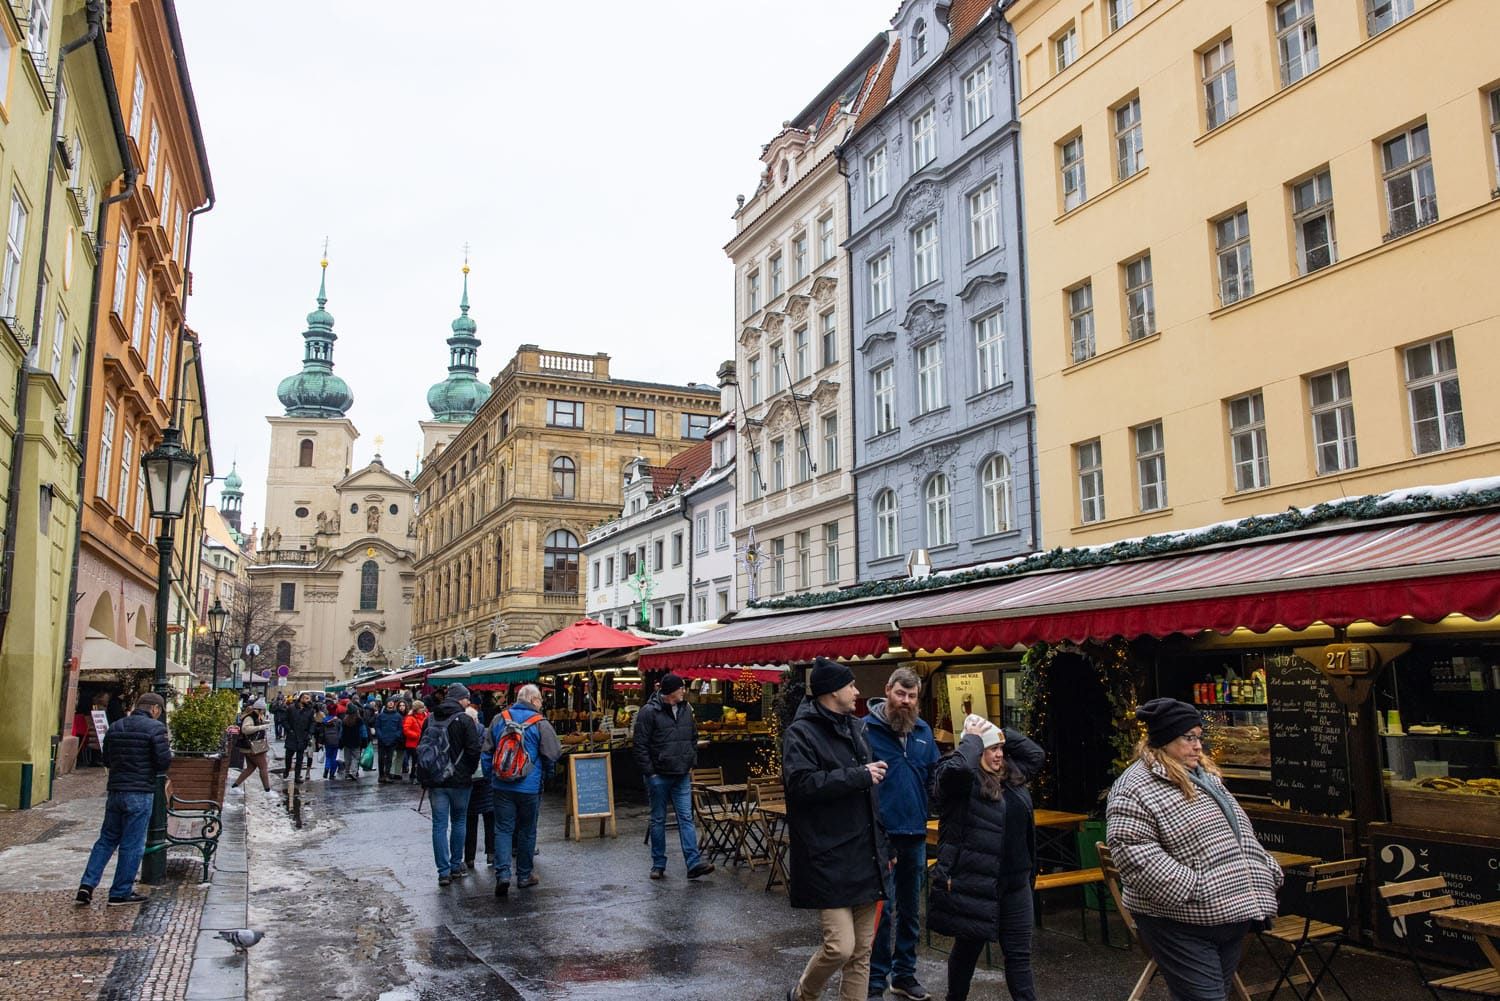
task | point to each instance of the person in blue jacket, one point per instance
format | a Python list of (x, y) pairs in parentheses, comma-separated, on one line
[(899, 736), (516, 800), (388, 731)]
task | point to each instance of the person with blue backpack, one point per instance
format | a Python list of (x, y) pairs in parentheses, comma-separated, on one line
[(519, 749), (446, 756)]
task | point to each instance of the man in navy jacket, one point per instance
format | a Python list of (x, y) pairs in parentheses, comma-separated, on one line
[(902, 739)]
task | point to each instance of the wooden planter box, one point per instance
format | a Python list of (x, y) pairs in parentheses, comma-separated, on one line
[(1462, 813), (195, 775)]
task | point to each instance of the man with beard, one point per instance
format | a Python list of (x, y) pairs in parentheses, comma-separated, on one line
[(903, 740)]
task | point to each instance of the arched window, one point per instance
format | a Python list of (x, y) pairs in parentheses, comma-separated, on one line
[(500, 486), (560, 564), (493, 644), (887, 524), (369, 586), (283, 653), (304, 452), (994, 494), (939, 510), (564, 478), (918, 40), (499, 564)]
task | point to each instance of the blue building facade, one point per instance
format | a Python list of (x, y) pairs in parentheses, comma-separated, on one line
[(944, 421)]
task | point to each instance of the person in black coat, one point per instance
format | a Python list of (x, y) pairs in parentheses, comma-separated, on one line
[(136, 750), (838, 854), (980, 885), (299, 732), (666, 749)]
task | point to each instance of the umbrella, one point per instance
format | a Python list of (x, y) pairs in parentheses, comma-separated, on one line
[(587, 634)]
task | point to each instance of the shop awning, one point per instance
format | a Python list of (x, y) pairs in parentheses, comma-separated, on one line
[(100, 653), (858, 629), (764, 675), (391, 682), (487, 671)]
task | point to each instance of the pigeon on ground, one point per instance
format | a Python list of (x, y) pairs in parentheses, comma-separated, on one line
[(242, 938)]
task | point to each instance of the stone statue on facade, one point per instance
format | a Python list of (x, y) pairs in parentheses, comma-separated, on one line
[(333, 523), (322, 522), (276, 539), (265, 539), (372, 520)]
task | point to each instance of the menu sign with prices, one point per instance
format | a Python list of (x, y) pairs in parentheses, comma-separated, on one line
[(1309, 739)]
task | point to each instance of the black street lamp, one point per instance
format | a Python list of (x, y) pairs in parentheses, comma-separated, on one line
[(218, 618), (169, 480)]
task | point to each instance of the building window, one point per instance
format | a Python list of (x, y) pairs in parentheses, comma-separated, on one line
[(564, 414), (1140, 299), (677, 549), (594, 575), (918, 39), (153, 337), (106, 451), (564, 478), (778, 275), (939, 510), (825, 239), (609, 570), (1089, 458), (752, 292), (875, 179), (695, 426), (658, 555), (1312, 218), (1232, 244), (1120, 12), (369, 586), (831, 553), (1074, 190), (804, 559), (994, 494), (778, 464), (984, 221), (1495, 132), (830, 443), (1151, 466), (635, 420), (1130, 143), (305, 452), (778, 368), (989, 351), (1296, 39), (1410, 193), (1065, 48), (137, 104), (676, 613), (700, 608), (1332, 399), (923, 139), (560, 564), (1220, 92), (924, 254), (799, 256), (801, 353), (138, 320), (1247, 442), (1437, 415), (880, 284), (1381, 14), (38, 29), (828, 335), (1081, 321), (930, 377), (700, 533), (756, 484), (887, 524), (74, 362), (754, 380), (778, 565), (122, 275), (122, 498), (15, 243), (153, 154), (721, 526), (883, 393), (804, 457), (977, 97), (288, 597), (59, 326), (138, 519)]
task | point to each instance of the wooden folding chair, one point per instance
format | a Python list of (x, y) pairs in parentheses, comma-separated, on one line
[(1413, 898), (772, 828), (708, 776), (1305, 934), (713, 820)]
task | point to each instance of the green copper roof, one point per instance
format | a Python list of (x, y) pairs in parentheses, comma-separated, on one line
[(458, 398), (316, 391), (232, 482)]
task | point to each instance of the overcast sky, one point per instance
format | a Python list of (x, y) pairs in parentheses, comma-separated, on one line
[(590, 160)]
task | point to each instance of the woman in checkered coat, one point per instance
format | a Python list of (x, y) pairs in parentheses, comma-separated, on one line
[(1192, 871)]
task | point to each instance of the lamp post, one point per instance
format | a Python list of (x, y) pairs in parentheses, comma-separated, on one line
[(218, 618), (169, 480)]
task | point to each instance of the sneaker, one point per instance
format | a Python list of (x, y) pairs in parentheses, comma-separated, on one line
[(876, 992), (489, 860), (502, 887), (84, 896), (458, 872), (529, 881), (658, 874), (701, 869), (907, 987), (134, 898), (444, 880)]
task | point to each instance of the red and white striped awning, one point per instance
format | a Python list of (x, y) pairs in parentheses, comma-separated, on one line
[(1426, 569)]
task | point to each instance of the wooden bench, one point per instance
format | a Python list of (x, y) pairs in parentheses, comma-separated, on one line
[(195, 823), (1068, 877)]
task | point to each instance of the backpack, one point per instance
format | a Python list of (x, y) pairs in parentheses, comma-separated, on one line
[(332, 731), (435, 764), (511, 763)]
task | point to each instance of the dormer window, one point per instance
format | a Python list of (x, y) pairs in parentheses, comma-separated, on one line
[(918, 40)]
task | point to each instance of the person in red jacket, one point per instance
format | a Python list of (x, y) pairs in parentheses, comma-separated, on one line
[(411, 729)]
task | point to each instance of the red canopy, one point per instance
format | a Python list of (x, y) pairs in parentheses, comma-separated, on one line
[(587, 634)]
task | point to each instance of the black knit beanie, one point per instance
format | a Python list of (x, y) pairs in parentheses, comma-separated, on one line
[(1166, 720), (828, 676)]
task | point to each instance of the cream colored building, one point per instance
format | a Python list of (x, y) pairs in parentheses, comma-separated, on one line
[(1261, 243)]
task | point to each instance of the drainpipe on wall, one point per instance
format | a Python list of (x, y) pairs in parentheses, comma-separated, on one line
[(853, 376)]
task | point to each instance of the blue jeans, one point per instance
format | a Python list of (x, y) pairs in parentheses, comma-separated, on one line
[(678, 790), (450, 807), (903, 895), (126, 817), (515, 825)]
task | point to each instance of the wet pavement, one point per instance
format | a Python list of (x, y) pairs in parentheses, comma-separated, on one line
[(352, 909)]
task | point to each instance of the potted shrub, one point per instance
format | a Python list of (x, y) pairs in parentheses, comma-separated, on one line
[(198, 723)]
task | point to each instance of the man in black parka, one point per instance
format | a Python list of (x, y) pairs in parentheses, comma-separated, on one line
[(666, 749), (838, 853)]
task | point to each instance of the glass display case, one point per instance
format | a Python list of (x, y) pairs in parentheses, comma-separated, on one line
[(1232, 697)]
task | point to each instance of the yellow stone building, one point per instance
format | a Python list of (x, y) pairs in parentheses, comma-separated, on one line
[(1261, 247)]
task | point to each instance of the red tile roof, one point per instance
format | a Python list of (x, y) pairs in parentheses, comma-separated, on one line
[(682, 470), (880, 93), (963, 17)]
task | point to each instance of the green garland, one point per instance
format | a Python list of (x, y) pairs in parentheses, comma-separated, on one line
[(1255, 527)]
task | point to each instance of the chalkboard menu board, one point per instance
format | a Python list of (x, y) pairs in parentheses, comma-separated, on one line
[(1309, 739), (591, 794), (1473, 874)]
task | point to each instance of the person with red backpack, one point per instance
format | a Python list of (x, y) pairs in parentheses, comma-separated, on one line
[(519, 749)]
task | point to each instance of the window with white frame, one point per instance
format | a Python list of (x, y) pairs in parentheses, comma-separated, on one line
[(778, 275), (754, 380), (1232, 246), (804, 558), (939, 511), (721, 526), (700, 533), (930, 377), (90, 204), (59, 326), (5, 48), (15, 245), (752, 291), (166, 193), (799, 256), (1331, 396), (106, 451), (830, 443), (1070, 163), (984, 220), (75, 361), (60, 112), (880, 284), (778, 464), (127, 451), (826, 242), (1140, 299), (828, 335), (923, 139), (924, 253), (137, 104), (875, 177), (153, 154), (1220, 91), (887, 524), (1437, 413), (1120, 13), (163, 388), (122, 273), (994, 494), (1494, 103), (801, 353), (1081, 322), (1410, 192), (918, 39), (1382, 14), (804, 457), (1296, 39), (153, 337), (778, 565), (977, 97), (989, 351), (1312, 219), (1065, 48), (1089, 460), (1150, 466), (831, 552), (138, 315), (883, 397), (1130, 142), (38, 32), (1247, 442), (778, 368), (564, 414), (700, 608)]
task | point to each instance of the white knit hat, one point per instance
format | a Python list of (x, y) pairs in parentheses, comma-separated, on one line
[(990, 735)]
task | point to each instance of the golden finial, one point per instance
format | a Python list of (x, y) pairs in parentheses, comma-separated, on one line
[(324, 261), (379, 443), (466, 258)]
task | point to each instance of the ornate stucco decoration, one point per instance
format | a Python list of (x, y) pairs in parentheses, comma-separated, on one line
[(773, 323), (749, 335), (933, 457), (921, 200), (796, 308), (925, 319), (823, 288), (876, 339), (983, 292)]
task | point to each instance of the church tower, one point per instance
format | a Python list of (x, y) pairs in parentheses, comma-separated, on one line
[(232, 499), (456, 399)]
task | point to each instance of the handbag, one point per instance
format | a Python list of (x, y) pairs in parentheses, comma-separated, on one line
[(367, 760)]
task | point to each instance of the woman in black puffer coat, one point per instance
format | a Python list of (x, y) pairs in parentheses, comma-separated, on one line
[(980, 886)]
